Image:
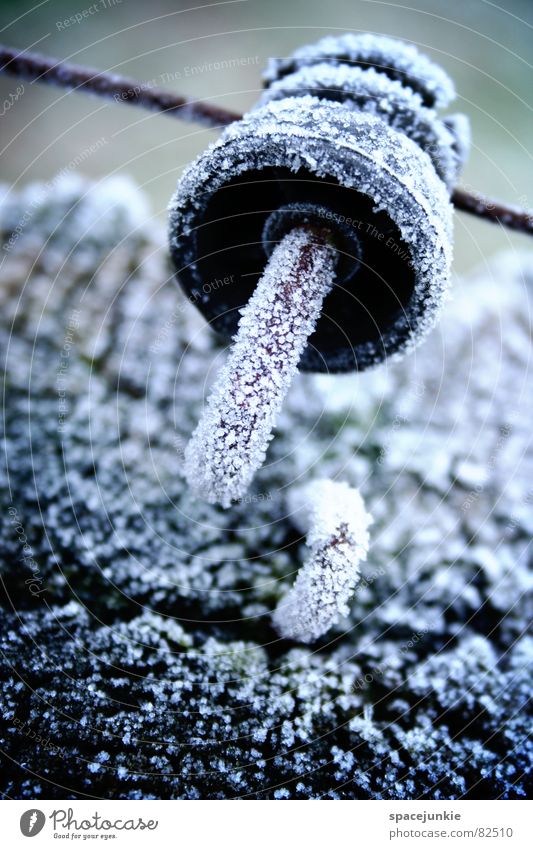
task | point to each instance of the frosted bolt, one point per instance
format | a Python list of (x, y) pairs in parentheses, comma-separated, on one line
[(333, 515), (231, 439)]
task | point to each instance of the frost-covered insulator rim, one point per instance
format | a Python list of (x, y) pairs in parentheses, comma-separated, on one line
[(333, 516), (459, 127), (369, 91), (389, 56), (355, 150)]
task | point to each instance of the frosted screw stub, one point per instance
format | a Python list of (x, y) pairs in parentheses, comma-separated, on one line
[(231, 439), (292, 215), (333, 515)]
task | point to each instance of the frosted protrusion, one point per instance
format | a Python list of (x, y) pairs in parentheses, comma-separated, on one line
[(334, 515), (231, 440), (368, 90), (395, 59), (459, 126)]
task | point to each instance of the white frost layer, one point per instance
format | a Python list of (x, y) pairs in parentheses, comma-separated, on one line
[(338, 541), (387, 55), (368, 90), (231, 440)]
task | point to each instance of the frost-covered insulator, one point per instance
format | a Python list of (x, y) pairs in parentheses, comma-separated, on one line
[(333, 516), (348, 130), (396, 59)]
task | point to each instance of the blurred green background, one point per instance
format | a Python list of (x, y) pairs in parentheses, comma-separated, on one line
[(487, 48)]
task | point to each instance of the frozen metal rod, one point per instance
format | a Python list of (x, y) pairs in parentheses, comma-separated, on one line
[(494, 211), (230, 442)]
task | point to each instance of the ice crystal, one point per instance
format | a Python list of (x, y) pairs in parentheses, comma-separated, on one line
[(337, 536), (231, 440)]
